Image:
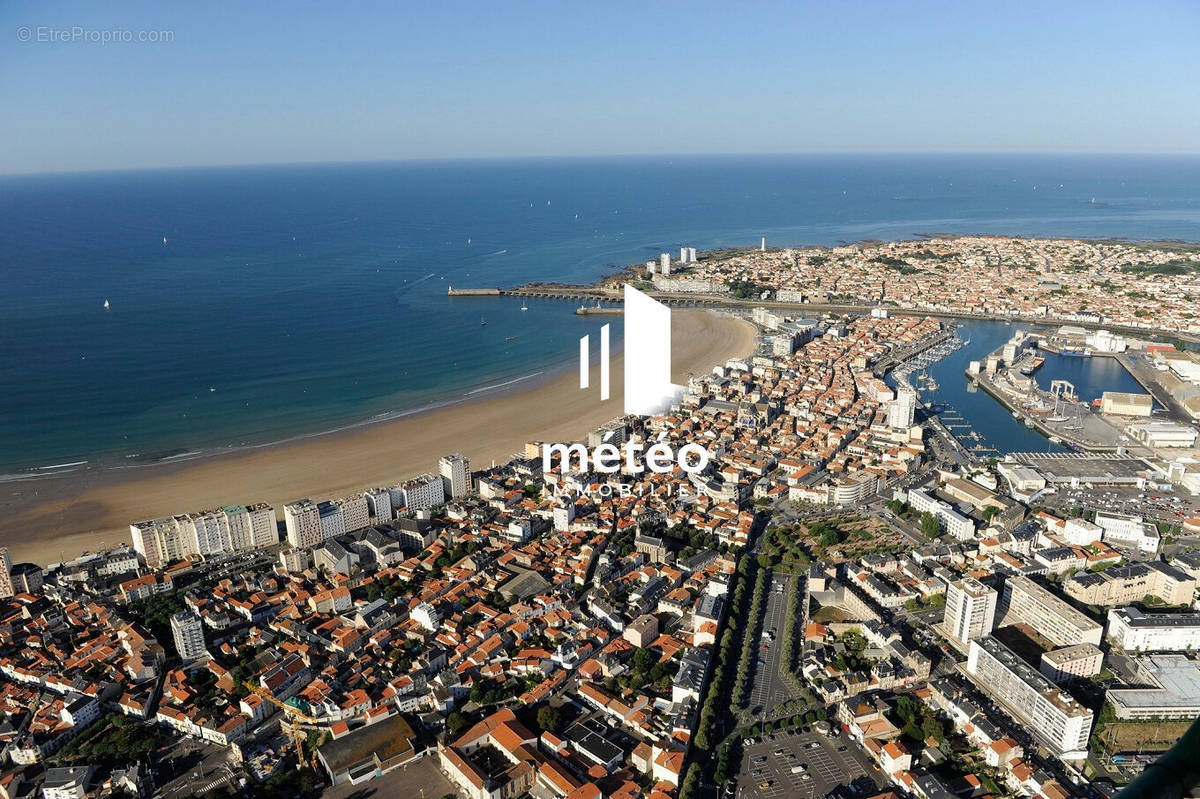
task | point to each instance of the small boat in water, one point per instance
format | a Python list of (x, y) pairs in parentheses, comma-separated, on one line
[(106, 305), (524, 307)]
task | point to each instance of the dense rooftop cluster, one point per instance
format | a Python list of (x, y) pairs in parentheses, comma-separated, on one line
[(1134, 285)]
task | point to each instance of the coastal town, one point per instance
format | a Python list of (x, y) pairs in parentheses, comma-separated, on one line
[(851, 599), (1122, 284)]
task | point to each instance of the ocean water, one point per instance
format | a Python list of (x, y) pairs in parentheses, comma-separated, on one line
[(288, 300)]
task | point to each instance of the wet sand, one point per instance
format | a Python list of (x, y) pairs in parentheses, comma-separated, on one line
[(47, 520)]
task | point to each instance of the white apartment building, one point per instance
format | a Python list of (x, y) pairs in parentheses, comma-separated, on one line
[(1125, 530), (970, 610), (854, 488), (1080, 532), (206, 533), (1134, 631), (332, 522), (232, 528), (1071, 662), (303, 523), (426, 615), (356, 512), (1026, 602), (379, 504), (563, 515), (251, 526), (901, 410), (295, 560), (158, 541), (455, 470), (953, 522), (423, 491), (188, 631), (518, 530), (1050, 713)]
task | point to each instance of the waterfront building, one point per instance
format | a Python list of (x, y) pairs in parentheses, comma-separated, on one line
[(1072, 663), (664, 263), (902, 409), (423, 492), (970, 610), (1049, 712), (1106, 341), (356, 512), (233, 528), (1021, 479), (1125, 404), (1172, 689), (251, 526), (688, 285), (1163, 434), (1025, 602), (1135, 631), (188, 632), (6, 581), (332, 522), (455, 470), (302, 521), (27, 578), (379, 504)]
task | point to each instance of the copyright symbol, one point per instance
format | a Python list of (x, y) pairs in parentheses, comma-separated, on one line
[(24, 34)]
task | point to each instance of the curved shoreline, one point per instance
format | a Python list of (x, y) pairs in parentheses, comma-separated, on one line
[(49, 518)]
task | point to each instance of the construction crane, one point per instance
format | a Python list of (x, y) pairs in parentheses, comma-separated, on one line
[(295, 717)]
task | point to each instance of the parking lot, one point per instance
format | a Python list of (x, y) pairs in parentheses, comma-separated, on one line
[(770, 688), (805, 765)]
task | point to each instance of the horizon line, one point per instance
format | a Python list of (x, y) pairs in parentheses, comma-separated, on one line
[(589, 157)]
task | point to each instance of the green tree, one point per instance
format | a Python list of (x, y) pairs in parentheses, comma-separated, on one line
[(929, 525), (549, 718), (691, 783), (456, 722)]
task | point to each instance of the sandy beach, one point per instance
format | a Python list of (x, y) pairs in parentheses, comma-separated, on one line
[(47, 520)]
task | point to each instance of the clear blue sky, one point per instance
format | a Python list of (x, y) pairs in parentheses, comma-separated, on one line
[(250, 81)]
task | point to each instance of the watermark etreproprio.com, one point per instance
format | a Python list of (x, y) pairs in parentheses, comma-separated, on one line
[(77, 34)]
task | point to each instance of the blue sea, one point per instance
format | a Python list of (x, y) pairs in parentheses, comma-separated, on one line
[(254, 304)]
